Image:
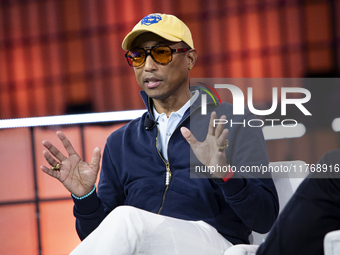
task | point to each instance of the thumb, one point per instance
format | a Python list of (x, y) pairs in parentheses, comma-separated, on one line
[(186, 133), (188, 136), (95, 161)]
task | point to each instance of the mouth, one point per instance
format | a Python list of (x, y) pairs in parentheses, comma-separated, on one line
[(152, 82)]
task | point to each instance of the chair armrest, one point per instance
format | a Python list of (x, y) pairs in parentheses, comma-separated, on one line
[(331, 243), (242, 249)]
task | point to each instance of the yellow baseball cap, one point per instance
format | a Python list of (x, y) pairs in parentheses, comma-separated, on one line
[(167, 26)]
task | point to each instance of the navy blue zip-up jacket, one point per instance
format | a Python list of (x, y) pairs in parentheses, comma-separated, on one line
[(133, 173)]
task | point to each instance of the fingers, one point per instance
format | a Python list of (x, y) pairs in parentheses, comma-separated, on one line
[(220, 127), (67, 144), (223, 137), (54, 151), (96, 157), (49, 171), (211, 130), (49, 158)]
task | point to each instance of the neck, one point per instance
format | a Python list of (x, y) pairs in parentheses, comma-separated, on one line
[(172, 103)]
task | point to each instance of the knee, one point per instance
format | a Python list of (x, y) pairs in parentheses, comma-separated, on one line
[(126, 219), (125, 213), (125, 210)]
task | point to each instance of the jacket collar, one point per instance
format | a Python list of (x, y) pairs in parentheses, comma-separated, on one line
[(149, 103)]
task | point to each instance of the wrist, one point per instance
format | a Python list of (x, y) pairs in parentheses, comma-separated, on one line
[(85, 196), (225, 178)]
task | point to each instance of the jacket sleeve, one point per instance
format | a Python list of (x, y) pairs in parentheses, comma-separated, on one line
[(89, 214), (91, 211), (252, 197)]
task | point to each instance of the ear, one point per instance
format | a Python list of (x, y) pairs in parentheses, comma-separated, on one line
[(191, 57)]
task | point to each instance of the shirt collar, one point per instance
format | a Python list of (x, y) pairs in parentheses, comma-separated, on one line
[(180, 112)]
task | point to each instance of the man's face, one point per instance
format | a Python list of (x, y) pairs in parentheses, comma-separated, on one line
[(161, 81)]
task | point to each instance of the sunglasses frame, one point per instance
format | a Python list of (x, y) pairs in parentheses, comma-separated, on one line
[(148, 52)]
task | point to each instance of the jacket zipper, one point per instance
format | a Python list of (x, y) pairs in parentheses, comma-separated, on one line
[(167, 182), (168, 170), (167, 165)]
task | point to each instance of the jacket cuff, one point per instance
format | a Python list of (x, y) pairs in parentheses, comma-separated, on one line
[(228, 176), (232, 186), (87, 205)]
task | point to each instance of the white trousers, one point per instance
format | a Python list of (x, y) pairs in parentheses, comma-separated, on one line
[(128, 230)]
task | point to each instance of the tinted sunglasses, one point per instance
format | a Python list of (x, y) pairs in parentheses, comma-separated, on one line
[(160, 54)]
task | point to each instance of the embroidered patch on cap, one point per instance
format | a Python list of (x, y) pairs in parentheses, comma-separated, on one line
[(151, 19)]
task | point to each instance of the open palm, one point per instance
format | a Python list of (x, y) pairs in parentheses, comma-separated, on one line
[(76, 175), (208, 152)]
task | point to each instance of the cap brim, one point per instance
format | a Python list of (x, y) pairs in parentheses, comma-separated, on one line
[(128, 40)]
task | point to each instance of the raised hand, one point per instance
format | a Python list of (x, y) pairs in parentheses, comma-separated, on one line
[(76, 175), (211, 152)]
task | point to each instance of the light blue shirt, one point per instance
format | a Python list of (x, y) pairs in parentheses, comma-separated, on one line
[(166, 126)]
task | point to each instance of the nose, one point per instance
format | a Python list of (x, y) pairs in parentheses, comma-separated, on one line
[(150, 64)]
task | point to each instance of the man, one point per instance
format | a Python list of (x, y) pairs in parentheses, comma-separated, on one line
[(146, 164)]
